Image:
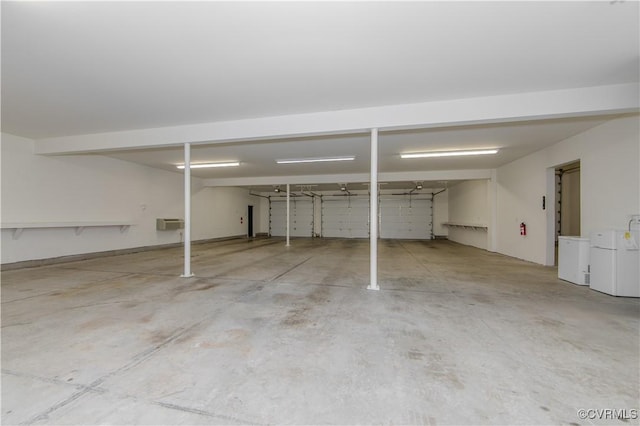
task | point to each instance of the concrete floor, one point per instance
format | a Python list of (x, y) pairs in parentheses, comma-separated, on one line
[(272, 335)]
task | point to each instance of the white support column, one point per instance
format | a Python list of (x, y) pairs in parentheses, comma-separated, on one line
[(288, 213), (373, 214), (187, 211)]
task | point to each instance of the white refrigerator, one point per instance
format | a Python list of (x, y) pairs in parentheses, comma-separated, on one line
[(614, 260)]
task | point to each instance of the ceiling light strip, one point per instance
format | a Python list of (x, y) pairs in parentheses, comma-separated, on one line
[(210, 165), (314, 160), (448, 153)]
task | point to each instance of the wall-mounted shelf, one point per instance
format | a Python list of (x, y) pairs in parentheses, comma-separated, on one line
[(18, 227), (475, 226)]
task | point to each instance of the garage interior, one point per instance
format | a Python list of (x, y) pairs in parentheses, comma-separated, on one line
[(187, 199)]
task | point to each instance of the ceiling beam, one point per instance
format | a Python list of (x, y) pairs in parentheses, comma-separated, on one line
[(614, 99), (442, 175)]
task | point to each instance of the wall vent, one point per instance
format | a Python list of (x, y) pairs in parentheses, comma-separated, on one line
[(169, 224)]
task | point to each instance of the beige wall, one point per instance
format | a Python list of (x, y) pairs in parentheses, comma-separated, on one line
[(92, 188), (610, 181), (468, 205)]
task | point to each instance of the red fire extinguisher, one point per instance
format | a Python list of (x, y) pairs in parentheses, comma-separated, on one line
[(523, 229)]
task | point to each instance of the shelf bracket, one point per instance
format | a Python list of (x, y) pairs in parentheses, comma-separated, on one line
[(79, 230), (17, 232)]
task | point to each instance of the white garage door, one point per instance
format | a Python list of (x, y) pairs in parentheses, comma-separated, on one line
[(405, 217), (345, 217), (301, 213)]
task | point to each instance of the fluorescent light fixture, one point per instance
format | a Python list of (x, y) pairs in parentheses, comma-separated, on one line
[(315, 160), (448, 153), (208, 165)]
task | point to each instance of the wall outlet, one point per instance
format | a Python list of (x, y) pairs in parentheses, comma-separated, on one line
[(635, 219)]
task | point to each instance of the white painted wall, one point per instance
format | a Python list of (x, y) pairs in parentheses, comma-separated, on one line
[(95, 188), (610, 180), (440, 213), (468, 204), (260, 213), (216, 212)]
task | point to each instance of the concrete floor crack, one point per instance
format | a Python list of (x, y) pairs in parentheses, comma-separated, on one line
[(290, 269), (224, 417), (94, 386)]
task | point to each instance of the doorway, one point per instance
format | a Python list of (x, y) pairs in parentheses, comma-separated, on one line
[(250, 221), (567, 202)]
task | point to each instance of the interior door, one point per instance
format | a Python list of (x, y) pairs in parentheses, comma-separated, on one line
[(250, 221)]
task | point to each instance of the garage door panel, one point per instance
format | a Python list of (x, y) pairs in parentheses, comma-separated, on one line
[(404, 218), (301, 217), (345, 217), (348, 217)]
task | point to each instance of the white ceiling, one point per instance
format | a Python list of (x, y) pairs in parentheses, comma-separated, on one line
[(75, 68), (514, 140), (86, 67)]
